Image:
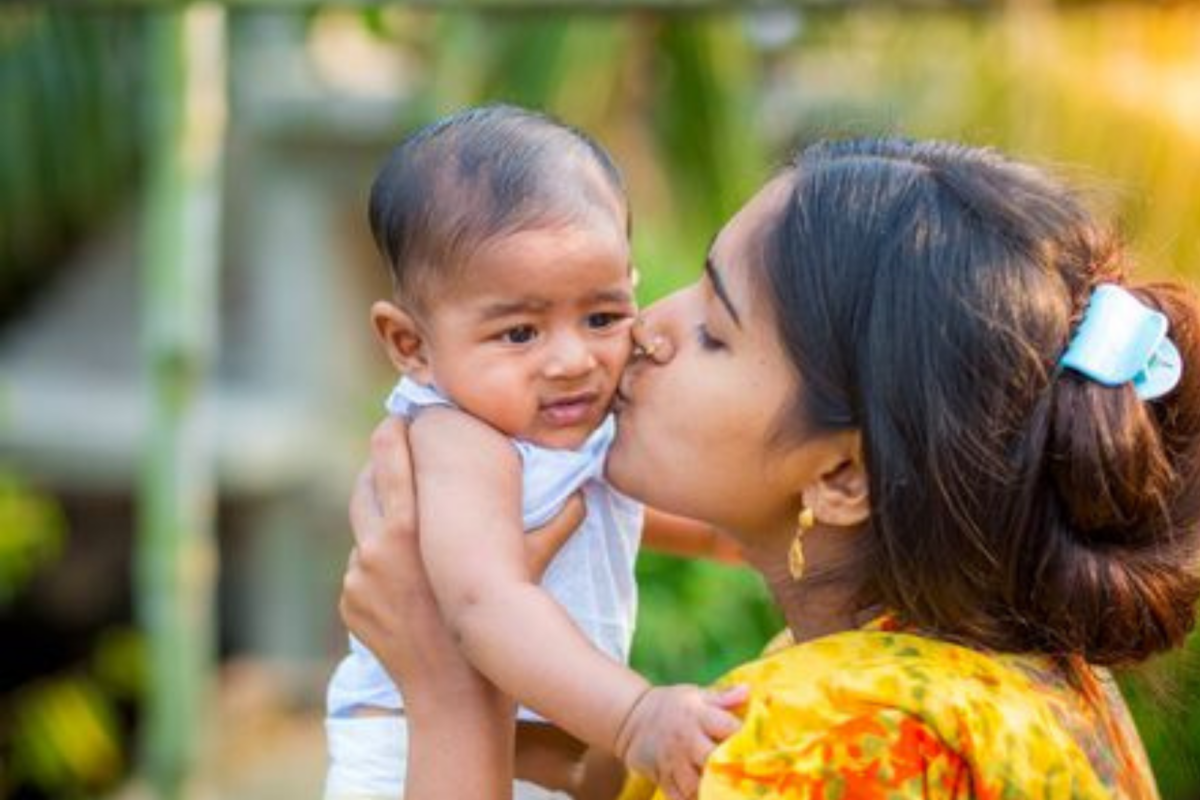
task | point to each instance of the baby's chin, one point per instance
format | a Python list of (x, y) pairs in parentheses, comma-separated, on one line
[(559, 440), (571, 438)]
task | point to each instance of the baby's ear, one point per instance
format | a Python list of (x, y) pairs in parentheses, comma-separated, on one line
[(402, 340)]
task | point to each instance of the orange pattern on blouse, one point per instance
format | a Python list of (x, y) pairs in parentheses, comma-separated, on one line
[(883, 713)]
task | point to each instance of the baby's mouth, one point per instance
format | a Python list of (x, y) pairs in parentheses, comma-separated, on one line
[(570, 410)]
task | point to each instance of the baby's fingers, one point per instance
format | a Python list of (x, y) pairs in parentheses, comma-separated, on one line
[(719, 724), (731, 696), (684, 781), (698, 749)]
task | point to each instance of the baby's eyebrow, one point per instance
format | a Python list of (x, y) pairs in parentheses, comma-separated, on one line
[(611, 296), (509, 308)]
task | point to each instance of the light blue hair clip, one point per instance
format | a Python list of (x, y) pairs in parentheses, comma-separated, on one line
[(1122, 340)]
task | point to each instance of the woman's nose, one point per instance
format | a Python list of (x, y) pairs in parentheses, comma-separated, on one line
[(649, 340)]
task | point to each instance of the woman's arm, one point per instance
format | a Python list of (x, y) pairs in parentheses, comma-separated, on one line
[(681, 536), (460, 726)]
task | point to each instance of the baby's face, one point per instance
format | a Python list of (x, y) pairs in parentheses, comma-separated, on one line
[(533, 340)]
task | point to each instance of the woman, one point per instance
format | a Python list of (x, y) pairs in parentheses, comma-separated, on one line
[(965, 462)]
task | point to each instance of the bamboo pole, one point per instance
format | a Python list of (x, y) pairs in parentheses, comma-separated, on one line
[(176, 558)]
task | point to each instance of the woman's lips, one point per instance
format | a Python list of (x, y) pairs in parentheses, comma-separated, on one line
[(620, 400), (569, 411), (621, 397)]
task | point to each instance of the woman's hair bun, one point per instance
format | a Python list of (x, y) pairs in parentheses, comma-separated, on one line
[(1119, 576)]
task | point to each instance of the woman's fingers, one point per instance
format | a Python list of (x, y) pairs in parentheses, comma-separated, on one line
[(383, 579), (346, 599), (542, 544), (364, 507), (391, 465)]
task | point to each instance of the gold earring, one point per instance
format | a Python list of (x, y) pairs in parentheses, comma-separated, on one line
[(804, 523)]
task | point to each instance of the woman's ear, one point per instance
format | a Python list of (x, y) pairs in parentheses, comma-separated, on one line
[(841, 495), (402, 340)]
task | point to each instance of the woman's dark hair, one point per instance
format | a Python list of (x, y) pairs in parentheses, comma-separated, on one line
[(485, 172), (925, 293)]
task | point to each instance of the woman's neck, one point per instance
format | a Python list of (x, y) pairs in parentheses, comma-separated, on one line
[(825, 600)]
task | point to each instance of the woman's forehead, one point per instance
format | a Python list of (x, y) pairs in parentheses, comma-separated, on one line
[(736, 258), (746, 231)]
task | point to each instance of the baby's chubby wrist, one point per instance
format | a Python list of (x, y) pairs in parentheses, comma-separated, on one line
[(629, 720)]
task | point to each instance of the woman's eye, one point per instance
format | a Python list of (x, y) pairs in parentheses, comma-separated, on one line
[(604, 319), (522, 334), (706, 340)]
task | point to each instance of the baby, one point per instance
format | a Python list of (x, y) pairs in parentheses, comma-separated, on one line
[(507, 237)]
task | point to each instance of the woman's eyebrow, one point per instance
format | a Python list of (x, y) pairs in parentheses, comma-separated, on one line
[(710, 269)]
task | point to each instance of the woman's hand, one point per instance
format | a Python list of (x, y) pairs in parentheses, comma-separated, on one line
[(543, 544)]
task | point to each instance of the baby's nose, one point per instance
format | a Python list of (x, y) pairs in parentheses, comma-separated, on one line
[(571, 356)]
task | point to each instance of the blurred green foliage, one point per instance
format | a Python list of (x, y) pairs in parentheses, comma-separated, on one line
[(1163, 697), (61, 733), (32, 534), (65, 738), (69, 135), (699, 619)]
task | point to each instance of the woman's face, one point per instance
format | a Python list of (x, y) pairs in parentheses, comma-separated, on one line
[(698, 427)]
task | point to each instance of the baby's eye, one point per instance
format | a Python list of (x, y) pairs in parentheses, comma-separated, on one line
[(522, 334), (604, 319), (706, 339)]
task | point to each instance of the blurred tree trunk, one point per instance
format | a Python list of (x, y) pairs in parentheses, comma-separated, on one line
[(176, 550)]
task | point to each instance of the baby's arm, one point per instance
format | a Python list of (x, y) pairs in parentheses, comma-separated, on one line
[(468, 489), (681, 536)]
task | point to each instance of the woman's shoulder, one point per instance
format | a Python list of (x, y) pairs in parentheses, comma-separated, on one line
[(902, 708)]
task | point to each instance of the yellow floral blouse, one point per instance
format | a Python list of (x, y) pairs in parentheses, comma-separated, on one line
[(884, 713)]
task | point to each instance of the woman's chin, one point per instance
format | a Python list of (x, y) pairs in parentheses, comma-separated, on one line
[(624, 468), (615, 471)]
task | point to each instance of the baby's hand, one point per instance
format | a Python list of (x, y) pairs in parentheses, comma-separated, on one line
[(671, 730)]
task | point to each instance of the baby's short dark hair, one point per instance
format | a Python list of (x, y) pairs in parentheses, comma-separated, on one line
[(486, 172)]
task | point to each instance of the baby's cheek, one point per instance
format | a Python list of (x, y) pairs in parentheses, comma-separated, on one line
[(619, 353), (520, 409)]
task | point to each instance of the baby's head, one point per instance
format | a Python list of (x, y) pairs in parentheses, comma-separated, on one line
[(507, 237)]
